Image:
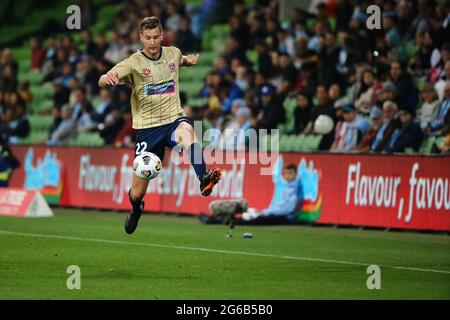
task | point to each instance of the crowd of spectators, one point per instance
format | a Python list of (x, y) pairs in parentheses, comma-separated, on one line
[(74, 67), (382, 95)]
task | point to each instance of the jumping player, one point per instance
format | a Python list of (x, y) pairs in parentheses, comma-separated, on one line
[(156, 109)]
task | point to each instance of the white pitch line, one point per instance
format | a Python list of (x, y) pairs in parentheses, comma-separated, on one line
[(39, 235)]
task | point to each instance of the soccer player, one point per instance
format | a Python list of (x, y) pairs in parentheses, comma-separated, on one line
[(156, 109)]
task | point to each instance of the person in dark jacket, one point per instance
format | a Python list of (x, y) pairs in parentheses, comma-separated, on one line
[(390, 124), (8, 162), (408, 94), (409, 135), (272, 113), (302, 112)]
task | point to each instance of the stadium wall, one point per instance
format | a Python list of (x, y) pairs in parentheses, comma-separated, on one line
[(390, 191)]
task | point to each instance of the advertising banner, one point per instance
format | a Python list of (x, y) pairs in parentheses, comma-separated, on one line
[(393, 191), (23, 203)]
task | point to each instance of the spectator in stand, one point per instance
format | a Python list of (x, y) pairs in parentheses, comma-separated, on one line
[(354, 129), (17, 126), (173, 18), (116, 51), (66, 74), (8, 162), (408, 135), (429, 107), (421, 62), (235, 50), (287, 74), (393, 37), (105, 105), (112, 125), (234, 137), (365, 99), (404, 85), (86, 120), (390, 124), (8, 81), (404, 17), (127, 135), (340, 129), (376, 120), (100, 46), (25, 92), (440, 84), (272, 113), (37, 54), (440, 124), (302, 112), (65, 130), (239, 28), (264, 63), (61, 95), (57, 118), (7, 60), (88, 45), (184, 39), (325, 107)]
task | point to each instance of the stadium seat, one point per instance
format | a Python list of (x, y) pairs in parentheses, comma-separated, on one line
[(39, 123), (207, 58), (289, 105), (90, 139), (427, 145)]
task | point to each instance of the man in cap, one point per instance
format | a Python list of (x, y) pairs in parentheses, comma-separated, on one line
[(376, 119), (409, 135)]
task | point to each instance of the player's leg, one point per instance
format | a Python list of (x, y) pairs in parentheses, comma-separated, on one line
[(136, 195), (185, 136), (146, 140)]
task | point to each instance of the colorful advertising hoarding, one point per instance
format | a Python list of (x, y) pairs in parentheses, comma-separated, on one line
[(367, 190)]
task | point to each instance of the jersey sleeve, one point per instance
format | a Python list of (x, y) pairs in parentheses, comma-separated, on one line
[(178, 55), (124, 71)]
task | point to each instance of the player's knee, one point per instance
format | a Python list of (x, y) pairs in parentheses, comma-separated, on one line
[(137, 193)]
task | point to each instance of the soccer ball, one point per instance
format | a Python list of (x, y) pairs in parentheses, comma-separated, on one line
[(147, 165), (323, 124)]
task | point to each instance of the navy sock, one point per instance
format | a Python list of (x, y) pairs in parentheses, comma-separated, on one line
[(136, 204), (197, 161)]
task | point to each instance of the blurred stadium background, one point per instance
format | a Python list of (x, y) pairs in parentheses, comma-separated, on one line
[(264, 65)]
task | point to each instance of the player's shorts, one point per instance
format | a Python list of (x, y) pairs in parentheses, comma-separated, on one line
[(157, 138)]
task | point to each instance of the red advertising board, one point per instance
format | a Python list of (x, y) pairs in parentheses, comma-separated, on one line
[(369, 190)]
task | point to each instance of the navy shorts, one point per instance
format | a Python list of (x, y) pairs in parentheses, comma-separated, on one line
[(157, 138)]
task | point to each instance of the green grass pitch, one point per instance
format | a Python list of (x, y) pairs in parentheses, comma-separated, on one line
[(171, 257)]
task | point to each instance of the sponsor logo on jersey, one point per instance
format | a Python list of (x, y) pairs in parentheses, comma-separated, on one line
[(159, 88), (172, 67), (146, 72)]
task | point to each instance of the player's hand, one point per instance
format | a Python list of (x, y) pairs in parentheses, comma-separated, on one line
[(112, 78), (192, 59)]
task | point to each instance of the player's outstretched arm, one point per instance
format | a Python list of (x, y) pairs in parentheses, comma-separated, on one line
[(109, 79), (189, 60)]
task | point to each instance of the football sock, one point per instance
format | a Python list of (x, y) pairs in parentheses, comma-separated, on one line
[(136, 204), (197, 161)]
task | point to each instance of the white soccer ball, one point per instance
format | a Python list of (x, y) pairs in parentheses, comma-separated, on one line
[(323, 124), (147, 165)]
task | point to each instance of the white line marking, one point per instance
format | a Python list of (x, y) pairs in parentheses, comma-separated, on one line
[(39, 235)]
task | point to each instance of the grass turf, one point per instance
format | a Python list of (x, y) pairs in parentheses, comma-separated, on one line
[(165, 259)]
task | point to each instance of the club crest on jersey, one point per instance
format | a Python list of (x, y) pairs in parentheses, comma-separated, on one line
[(146, 72), (172, 67)]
